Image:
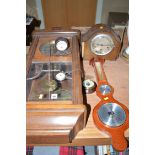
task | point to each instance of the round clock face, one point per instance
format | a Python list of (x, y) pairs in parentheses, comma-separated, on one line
[(60, 76), (61, 44), (101, 44)]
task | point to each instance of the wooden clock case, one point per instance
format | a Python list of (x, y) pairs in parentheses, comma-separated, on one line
[(91, 33), (53, 121)]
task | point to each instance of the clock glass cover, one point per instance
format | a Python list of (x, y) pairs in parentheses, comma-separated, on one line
[(56, 47), (61, 44), (101, 44)]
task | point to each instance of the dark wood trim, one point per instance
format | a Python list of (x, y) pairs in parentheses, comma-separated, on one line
[(31, 54), (77, 83)]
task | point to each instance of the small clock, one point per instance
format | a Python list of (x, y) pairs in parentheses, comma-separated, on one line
[(100, 41), (62, 44), (101, 44), (60, 76), (55, 47)]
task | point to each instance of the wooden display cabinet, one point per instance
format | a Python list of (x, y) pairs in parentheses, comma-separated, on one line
[(55, 111)]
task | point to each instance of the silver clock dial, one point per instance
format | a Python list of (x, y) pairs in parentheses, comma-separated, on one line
[(61, 44), (101, 44)]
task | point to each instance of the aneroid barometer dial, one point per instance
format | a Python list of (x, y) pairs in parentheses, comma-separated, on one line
[(112, 114), (104, 89), (101, 44)]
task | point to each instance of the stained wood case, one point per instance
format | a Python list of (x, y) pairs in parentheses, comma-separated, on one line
[(55, 110), (100, 41)]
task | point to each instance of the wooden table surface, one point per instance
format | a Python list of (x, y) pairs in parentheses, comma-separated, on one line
[(117, 73)]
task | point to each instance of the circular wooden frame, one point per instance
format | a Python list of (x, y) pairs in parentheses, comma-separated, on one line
[(99, 94), (117, 133)]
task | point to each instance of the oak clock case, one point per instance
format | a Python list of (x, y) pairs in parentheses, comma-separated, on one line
[(55, 112), (100, 41)]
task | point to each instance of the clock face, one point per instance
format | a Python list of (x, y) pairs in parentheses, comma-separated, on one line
[(101, 44), (61, 44), (57, 47), (60, 76)]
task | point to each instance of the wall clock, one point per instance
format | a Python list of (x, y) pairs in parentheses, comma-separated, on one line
[(55, 112)]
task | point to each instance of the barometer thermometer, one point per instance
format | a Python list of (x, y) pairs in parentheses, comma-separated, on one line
[(109, 115)]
